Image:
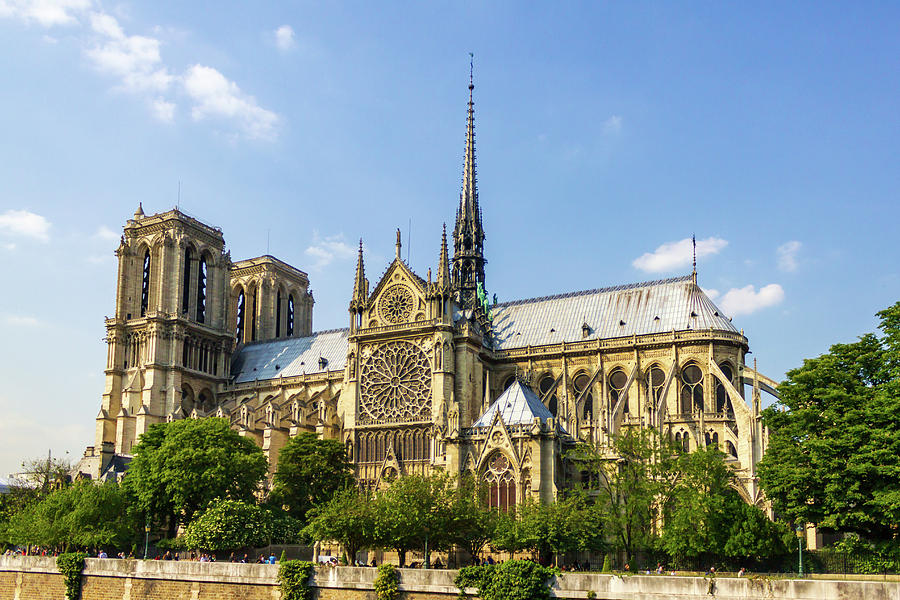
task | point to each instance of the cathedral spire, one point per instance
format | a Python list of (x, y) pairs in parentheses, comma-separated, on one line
[(360, 285), (468, 235)]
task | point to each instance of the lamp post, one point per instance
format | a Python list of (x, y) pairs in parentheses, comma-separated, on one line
[(800, 548), (146, 536)]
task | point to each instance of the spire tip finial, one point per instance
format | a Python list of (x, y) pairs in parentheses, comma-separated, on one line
[(694, 244), (471, 71)]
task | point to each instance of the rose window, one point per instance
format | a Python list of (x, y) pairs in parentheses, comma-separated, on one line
[(396, 304), (395, 384)]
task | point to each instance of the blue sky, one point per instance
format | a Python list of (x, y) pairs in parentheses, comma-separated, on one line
[(607, 133)]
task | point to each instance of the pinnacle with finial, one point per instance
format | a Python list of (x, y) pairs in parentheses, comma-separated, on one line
[(358, 301), (443, 276)]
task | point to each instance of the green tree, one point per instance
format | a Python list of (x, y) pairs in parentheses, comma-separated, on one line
[(702, 507), (233, 525), (834, 444), (472, 522), (348, 518), (310, 471), (753, 536), (412, 512), (180, 467), (632, 487), (85, 515)]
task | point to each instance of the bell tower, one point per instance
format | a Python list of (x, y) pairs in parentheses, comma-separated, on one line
[(168, 343)]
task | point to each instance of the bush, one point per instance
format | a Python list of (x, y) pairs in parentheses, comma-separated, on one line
[(513, 580), (387, 582), (71, 565), (607, 568), (293, 579)]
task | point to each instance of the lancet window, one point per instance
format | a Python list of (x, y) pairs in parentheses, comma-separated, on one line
[(278, 315), (145, 284), (656, 378), (723, 401), (580, 384), (617, 381), (545, 386), (290, 315), (201, 291), (691, 389), (499, 477), (241, 314), (186, 282)]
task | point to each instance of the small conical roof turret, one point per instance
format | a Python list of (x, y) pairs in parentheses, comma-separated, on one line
[(139, 213)]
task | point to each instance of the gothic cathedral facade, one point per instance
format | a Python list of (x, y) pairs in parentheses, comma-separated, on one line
[(429, 375)]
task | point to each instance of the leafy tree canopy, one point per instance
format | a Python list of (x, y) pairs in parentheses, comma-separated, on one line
[(180, 467), (310, 471), (233, 525), (834, 443), (348, 518), (86, 515)]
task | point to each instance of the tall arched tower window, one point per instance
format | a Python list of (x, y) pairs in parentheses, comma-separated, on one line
[(145, 284), (253, 312), (655, 380), (290, 316), (186, 282), (581, 383), (241, 314), (278, 315), (691, 389), (201, 291)]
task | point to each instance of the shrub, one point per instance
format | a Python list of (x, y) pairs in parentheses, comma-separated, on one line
[(293, 579), (386, 583), (513, 580), (473, 577), (607, 568), (71, 565)]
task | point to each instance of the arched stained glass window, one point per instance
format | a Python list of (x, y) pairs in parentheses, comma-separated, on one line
[(545, 386), (580, 384), (691, 389), (655, 380), (617, 381), (498, 475), (723, 401)]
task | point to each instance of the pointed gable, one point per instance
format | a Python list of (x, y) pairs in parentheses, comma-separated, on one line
[(517, 405)]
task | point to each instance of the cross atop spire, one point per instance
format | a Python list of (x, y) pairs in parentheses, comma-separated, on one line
[(694, 271), (468, 235)]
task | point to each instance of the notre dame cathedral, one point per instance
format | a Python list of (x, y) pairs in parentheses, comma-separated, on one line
[(429, 374)]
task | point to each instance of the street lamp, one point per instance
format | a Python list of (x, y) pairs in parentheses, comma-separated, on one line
[(146, 536), (800, 547)]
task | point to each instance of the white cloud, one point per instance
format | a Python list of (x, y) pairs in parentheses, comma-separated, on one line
[(105, 233), (674, 255), (746, 300), (134, 59), (216, 96), (21, 321), (8, 246), (137, 64), (328, 249), (25, 224), (612, 124), (44, 12), (163, 110), (284, 38), (787, 255)]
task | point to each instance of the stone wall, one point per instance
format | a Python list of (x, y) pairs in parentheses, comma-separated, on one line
[(36, 578)]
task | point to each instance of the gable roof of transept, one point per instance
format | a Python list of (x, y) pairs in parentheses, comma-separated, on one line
[(291, 356), (517, 405), (621, 311)]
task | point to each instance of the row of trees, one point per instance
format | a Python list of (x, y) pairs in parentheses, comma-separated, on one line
[(197, 476), (650, 484)]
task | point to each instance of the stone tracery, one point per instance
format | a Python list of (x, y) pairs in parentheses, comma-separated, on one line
[(395, 383)]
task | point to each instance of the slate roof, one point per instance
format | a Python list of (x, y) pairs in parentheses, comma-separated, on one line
[(290, 356), (622, 311), (635, 309), (517, 405)]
